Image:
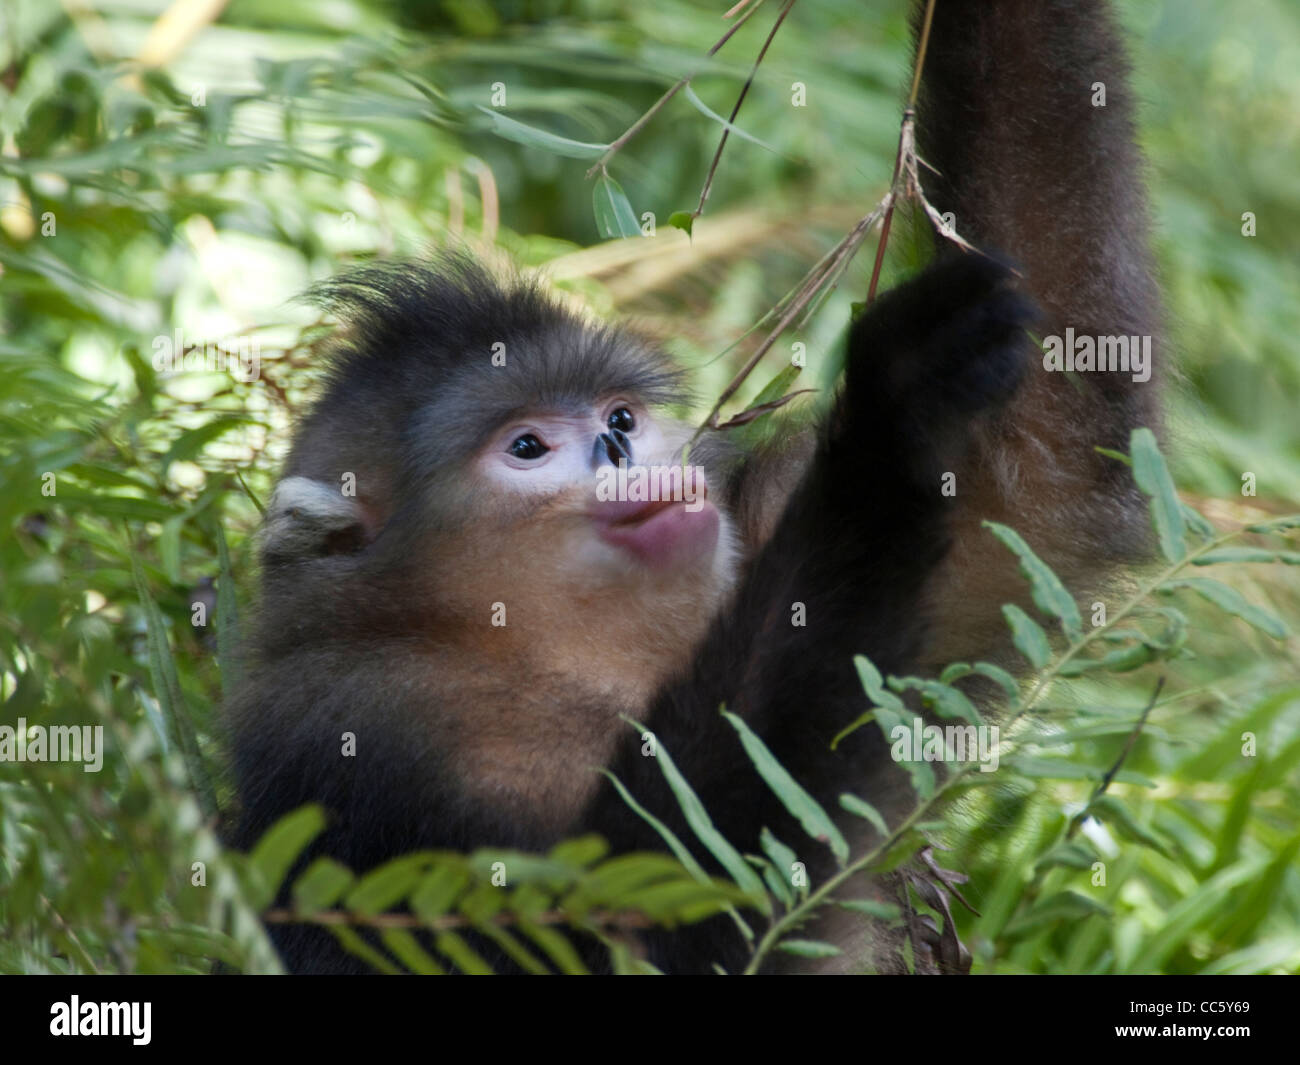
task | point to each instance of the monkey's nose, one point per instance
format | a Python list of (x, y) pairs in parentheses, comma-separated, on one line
[(615, 445)]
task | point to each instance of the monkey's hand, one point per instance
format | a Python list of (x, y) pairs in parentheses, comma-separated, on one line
[(932, 354)]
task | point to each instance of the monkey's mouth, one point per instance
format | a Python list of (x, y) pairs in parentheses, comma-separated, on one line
[(659, 533), (625, 515)]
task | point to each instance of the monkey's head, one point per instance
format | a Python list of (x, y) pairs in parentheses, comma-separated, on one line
[(479, 447)]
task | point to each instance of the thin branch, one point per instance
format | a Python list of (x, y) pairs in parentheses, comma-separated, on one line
[(1129, 744), (658, 105), (921, 46), (813, 281), (731, 119), (76, 943), (904, 183)]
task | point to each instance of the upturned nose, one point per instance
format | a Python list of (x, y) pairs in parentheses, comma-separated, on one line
[(614, 446)]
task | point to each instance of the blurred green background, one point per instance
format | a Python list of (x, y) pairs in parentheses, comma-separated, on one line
[(196, 170)]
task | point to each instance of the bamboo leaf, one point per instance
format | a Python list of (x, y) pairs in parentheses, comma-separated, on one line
[(1028, 636), (864, 809), (1152, 477), (1049, 594), (783, 862), (1229, 599), (803, 807), (878, 908), (614, 214), (521, 133), (702, 825), (809, 948)]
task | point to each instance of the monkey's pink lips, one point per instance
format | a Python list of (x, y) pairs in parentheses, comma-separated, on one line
[(659, 533)]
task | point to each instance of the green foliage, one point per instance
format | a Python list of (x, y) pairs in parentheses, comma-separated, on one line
[(515, 902), (1061, 885), (204, 194)]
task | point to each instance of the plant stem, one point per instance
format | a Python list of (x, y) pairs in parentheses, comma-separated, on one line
[(658, 105)]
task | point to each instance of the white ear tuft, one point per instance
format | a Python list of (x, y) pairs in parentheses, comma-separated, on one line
[(307, 518)]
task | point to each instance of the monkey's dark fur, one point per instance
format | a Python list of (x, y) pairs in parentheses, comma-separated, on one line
[(357, 636)]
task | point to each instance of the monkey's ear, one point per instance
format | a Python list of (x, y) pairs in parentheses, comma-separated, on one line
[(309, 519)]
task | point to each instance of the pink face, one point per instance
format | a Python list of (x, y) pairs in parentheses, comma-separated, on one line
[(640, 507)]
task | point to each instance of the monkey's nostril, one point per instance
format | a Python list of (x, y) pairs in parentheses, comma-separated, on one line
[(616, 445)]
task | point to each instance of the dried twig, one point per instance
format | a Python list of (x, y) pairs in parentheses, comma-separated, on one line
[(905, 184), (731, 119)]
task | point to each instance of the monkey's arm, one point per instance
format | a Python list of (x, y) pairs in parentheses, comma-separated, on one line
[(1027, 115), (841, 574)]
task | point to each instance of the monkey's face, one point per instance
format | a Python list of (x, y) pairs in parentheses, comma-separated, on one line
[(607, 479)]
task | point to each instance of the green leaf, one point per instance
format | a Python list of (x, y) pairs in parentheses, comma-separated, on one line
[(1060, 769), (682, 901), (778, 386), (613, 881), (666, 834), (1068, 855), (167, 690), (1050, 595), (321, 886), (1028, 636), (1152, 477), (513, 949), (946, 700), (383, 888), (1114, 812), (878, 908), (702, 825), (803, 807), (1214, 896), (1066, 907), (192, 441), (782, 867), (1122, 660), (1118, 456), (229, 639), (955, 671), (809, 948), (1232, 601), (1002, 678), (683, 220), (1275, 525), (277, 850), (519, 867), (520, 133), (461, 954), (678, 848), (581, 853), (439, 890), (352, 942), (730, 127), (406, 949), (919, 770), (614, 214), (874, 685), (1247, 554), (483, 903), (862, 808), (1197, 522), (556, 947)]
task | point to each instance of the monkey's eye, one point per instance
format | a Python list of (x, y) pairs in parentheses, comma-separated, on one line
[(622, 419), (528, 447)]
